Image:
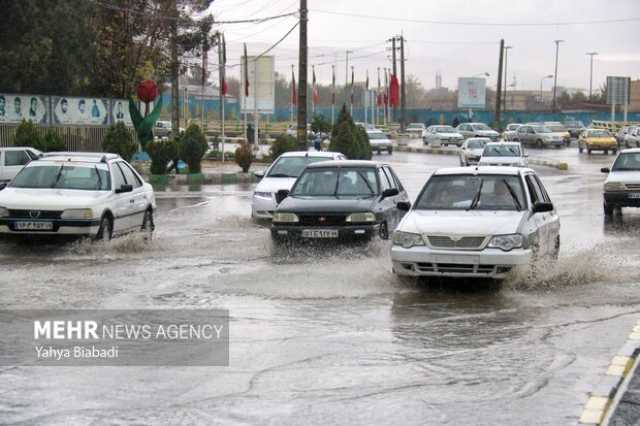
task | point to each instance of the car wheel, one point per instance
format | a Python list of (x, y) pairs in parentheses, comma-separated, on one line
[(608, 209), (606, 152), (384, 231), (580, 149), (105, 231), (588, 151), (539, 143), (390, 150), (378, 152), (148, 226)]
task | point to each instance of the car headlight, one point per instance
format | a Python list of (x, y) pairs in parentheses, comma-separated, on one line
[(361, 217), (283, 217), (4, 212), (407, 239), (265, 195), (614, 186), (507, 242), (77, 214)]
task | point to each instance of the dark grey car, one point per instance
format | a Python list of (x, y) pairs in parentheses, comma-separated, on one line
[(341, 200)]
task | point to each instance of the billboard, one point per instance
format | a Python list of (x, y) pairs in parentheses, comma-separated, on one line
[(15, 108), (120, 112), (80, 111), (472, 93), (261, 85), (618, 90)]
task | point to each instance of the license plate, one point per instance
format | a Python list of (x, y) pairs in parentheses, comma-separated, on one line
[(320, 233), (634, 195), (34, 226), (457, 258)]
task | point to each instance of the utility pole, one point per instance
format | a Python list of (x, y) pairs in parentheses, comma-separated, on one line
[(499, 85), (555, 76), (175, 71), (222, 61), (506, 77), (346, 78), (403, 94), (395, 70), (591, 54), (302, 77)]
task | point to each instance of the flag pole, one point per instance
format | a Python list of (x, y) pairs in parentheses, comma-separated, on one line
[(333, 93)]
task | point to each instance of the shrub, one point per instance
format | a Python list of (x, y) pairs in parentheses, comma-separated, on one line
[(53, 142), (320, 124), (283, 143), (244, 157), (349, 139), (27, 135), (364, 146), (119, 140), (161, 152), (192, 147)]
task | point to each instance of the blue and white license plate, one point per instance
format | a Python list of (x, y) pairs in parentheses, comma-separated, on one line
[(320, 233), (34, 226)]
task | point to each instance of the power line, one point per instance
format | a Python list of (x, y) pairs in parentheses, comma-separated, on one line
[(480, 24)]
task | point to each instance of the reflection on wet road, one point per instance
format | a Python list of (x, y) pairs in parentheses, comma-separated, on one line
[(329, 335)]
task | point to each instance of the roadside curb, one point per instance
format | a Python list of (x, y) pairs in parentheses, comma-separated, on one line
[(560, 165), (600, 401), (203, 178)]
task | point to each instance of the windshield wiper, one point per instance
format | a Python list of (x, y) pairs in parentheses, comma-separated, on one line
[(58, 176), (516, 202), (476, 198), (366, 182)]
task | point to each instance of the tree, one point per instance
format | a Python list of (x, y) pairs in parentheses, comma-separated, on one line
[(192, 147), (118, 140), (349, 139), (320, 124), (283, 143), (27, 135)]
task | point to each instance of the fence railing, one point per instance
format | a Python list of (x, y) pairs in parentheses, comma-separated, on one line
[(87, 139)]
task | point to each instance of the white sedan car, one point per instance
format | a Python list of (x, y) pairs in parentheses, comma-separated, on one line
[(379, 141), (482, 222), (622, 186), (471, 150), (442, 135), (282, 174), (503, 154), (85, 194)]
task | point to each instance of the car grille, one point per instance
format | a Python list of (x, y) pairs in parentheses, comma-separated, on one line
[(633, 186), (455, 268), (35, 214), (464, 243), (322, 220)]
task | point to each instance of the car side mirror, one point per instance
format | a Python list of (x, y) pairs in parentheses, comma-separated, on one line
[(124, 188), (404, 206), (605, 170), (542, 207), (391, 192), (259, 175), (281, 195), (3, 185)]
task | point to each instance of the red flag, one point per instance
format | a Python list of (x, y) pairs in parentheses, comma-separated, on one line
[(314, 90), (394, 91), (225, 88), (379, 100), (386, 98), (294, 95), (246, 72)]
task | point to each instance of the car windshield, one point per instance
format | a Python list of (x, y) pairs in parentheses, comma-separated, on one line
[(292, 166), (468, 192), (414, 126), (627, 162), (512, 127), (480, 126), (597, 134), (501, 150), (64, 176), (337, 182), (556, 128), (444, 129), (542, 129), (377, 135), (476, 144)]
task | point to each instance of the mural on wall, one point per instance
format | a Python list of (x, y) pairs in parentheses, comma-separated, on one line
[(80, 111), (15, 108)]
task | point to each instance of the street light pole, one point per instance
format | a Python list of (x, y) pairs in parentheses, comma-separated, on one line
[(555, 75), (506, 51), (541, 80), (591, 54)]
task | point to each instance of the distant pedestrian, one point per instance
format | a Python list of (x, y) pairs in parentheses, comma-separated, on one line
[(456, 122)]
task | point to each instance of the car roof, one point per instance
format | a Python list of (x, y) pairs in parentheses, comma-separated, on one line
[(482, 170), (630, 151), (17, 148), (327, 154), (345, 163), (478, 138), (84, 157), (505, 143)]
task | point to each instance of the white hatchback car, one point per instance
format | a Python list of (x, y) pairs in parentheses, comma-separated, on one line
[(503, 154), (476, 222), (282, 174), (72, 193), (13, 159)]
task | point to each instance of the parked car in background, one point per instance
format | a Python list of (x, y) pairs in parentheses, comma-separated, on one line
[(282, 174), (340, 200), (538, 136), (622, 186), (416, 128), (503, 154), (510, 132), (621, 134), (477, 130), (162, 129), (597, 140), (574, 127), (13, 159), (471, 150), (632, 138), (73, 193), (482, 222), (558, 128), (379, 141), (366, 126), (442, 135)]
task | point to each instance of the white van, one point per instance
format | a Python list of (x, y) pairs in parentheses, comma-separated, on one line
[(13, 159)]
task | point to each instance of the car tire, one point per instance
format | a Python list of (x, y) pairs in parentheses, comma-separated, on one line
[(390, 150), (148, 226), (105, 231), (588, 151), (608, 209), (606, 152), (384, 231), (378, 152), (580, 149), (614, 151), (539, 144)]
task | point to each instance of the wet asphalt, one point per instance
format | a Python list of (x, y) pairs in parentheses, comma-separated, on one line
[(328, 335)]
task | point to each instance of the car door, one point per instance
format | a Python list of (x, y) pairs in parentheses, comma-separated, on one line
[(542, 221), (122, 204), (551, 219), (396, 213), (386, 206), (14, 161), (137, 200)]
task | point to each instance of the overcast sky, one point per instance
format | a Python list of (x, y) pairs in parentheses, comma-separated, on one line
[(453, 50)]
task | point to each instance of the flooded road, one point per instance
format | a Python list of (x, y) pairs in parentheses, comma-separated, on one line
[(330, 336)]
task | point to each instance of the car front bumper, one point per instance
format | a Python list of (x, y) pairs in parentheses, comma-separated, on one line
[(601, 147), (262, 208), (60, 227), (347, 232), (487, 263), (622, 198)]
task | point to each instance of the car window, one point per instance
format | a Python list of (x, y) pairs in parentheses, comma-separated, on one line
[(293, 166), (129, 175), (16, 158), (534, 190), (118, 177), (337, 182), (629, 161), (501, 150), (393, 176), (545, 196), (384, 180), (32, 154), (63, 176)]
